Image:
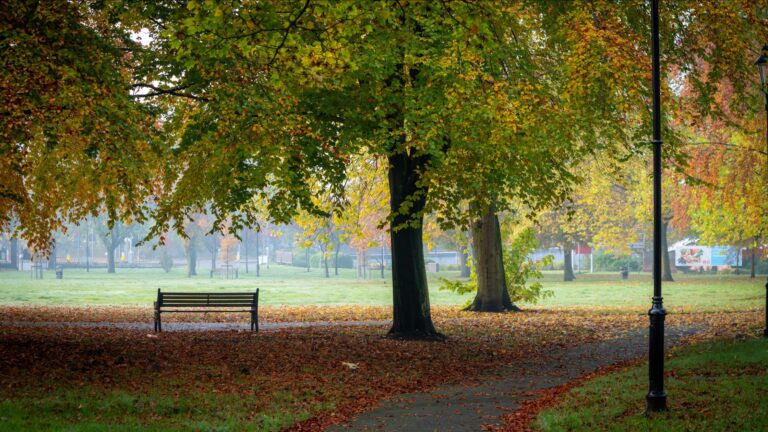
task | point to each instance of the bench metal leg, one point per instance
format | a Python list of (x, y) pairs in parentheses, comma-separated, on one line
[(254, 321), (158, 323)]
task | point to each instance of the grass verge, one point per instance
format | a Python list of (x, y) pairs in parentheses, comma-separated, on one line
[(719, 385)]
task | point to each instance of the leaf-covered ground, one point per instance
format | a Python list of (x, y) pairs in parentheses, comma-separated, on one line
[(96, 378)]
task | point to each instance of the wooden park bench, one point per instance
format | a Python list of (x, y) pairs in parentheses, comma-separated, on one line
[(207, 302)]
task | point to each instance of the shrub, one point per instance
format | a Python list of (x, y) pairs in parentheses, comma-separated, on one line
[(608, 261), (518, 270), (166, 262)]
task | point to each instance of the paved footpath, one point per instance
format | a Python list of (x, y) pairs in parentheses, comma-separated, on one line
[(462, 407)]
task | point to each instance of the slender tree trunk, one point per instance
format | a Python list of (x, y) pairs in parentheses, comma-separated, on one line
[(412, 318), (336, 260), (213, 260), (52, 258), (308, 267), (753, 258), (568, 263), (111, 258), (666, 272), (463, 262), (258, 253), (15, 253), (325, 264), (191, 261), (245, 245), (361, 263)]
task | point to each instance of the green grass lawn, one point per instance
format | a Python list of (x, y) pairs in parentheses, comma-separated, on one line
[(283, 285), (716, 386), (85, 409)]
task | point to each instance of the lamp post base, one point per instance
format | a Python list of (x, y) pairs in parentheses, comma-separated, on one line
[(656, 398), (656, 401)]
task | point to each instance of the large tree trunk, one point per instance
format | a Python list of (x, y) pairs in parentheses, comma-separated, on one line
[(412, 318), (492, 294), (568, 263), (15, 253), (191, 261), (666, 272)]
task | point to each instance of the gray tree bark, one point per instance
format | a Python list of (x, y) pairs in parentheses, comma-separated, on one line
[(666, 272), (492, 293), (568, 263)]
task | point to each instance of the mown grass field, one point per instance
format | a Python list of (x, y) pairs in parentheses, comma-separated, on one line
[(283, 285), (720, 385)]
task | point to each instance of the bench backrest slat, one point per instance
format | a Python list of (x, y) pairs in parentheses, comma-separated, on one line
[(188, 299)]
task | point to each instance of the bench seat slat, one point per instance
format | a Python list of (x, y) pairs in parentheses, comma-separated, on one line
[(168, 294), (211, 296), (212, 311), (164, 299), (205, 297), (177, 304)]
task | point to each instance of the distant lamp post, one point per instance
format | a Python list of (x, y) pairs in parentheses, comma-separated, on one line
[(762, 67), (656, 399)]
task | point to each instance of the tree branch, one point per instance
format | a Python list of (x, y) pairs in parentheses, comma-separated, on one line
[(174, 91), (727, 145), (291, 25)]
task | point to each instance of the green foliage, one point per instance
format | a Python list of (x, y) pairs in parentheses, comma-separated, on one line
[(608, 261), (74, 140), (316, 260), (519, 270), (166, 262)]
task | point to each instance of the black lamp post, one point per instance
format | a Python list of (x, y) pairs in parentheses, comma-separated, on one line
[(762, 67), (656, 400)]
